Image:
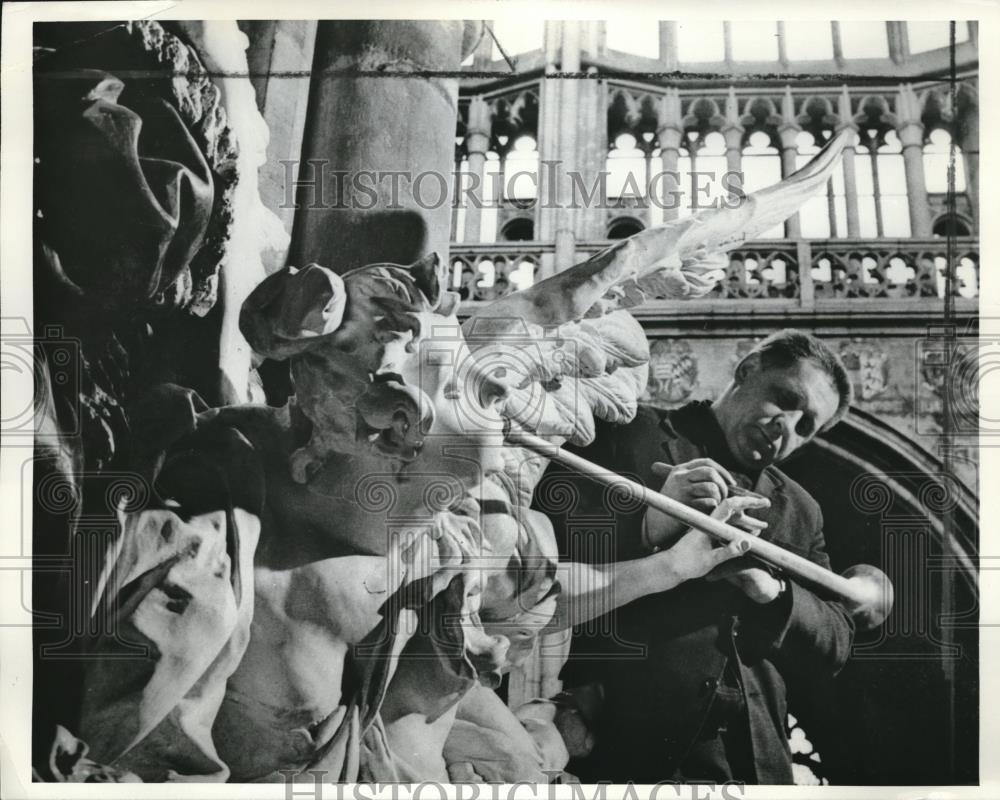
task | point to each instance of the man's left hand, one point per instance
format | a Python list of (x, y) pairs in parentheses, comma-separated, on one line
[(756, 583)]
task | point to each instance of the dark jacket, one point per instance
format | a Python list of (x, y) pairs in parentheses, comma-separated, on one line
[(660, 658)]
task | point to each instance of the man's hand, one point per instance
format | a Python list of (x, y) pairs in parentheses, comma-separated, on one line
[(695, 554), (701, 484), (756, 583)]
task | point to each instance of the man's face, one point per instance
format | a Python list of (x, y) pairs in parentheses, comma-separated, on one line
[(773, 411)]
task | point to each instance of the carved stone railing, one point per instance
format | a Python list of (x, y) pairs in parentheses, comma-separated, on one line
[(762, 270), (882, 269), (771, 270), (488, 271)]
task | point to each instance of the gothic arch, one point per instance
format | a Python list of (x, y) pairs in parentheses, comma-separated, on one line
[(761, 114), (817, 115), (512, 116), (703, 116), (949, 224), (631, 112), (888, 502), (875, 111), (520, 228), (621, 227)]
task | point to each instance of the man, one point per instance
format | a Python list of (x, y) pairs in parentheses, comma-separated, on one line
[(693, 680)]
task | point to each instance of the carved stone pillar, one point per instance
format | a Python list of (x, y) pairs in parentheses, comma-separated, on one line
[(850, 170), (282, 46), (390, 138), (569, 126), (734, 150), (911, 136), (548, 143), (670, 134), (789, 131), (967, 129), (592, 158), (838, 45), (552, 41), (789, 153), (590, 37), (548, 147), (668, 44), (477, 144), (483, 54), (733, 133), (899, 50)]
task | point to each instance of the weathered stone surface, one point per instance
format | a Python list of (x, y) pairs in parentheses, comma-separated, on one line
[(200, 104), (371, 81)]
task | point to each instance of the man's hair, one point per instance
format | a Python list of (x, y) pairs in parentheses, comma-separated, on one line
[(788, 347)]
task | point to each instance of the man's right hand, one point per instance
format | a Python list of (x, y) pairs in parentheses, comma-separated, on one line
[(701, 483), (695, 554)]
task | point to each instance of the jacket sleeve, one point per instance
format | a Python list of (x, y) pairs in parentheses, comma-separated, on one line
[(803, 629)]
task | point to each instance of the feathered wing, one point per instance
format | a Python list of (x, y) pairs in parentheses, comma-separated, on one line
[(568, 350), (725, 229), (681, 259)]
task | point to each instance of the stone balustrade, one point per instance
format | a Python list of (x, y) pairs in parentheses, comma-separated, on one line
[(912, 270)]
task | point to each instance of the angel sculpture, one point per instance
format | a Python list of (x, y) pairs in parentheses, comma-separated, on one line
[(323, 585)]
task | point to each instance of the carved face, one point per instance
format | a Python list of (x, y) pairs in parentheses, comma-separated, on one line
[(381, 369), (465, 435)]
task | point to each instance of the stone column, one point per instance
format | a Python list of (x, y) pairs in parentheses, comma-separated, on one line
[(592, 157), (569, 126), (899, 50), (911, 136), (590, 37), (788, 132), (782, 45), (281, 46), (548, 143), (670, 134), (483, 55), (838, 46), (850, 174), (477, 144), (668, 45), (967, 130), (602, 37), (733, 133), (789, 153), (380, 116)]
